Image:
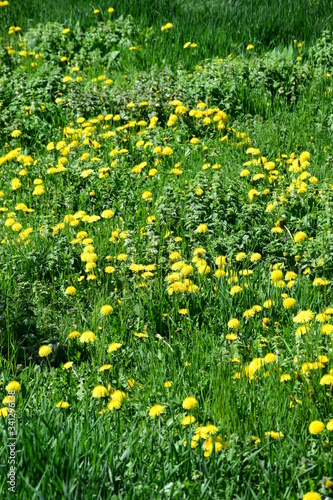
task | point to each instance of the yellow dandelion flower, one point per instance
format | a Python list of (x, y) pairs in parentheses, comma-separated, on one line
[(88, 337), (62, 404), (167, 27), (106, 310), (235, 289), (109, 269), (240, 256), (265, 322), (193, 444), (68, 365), (114, 346), (188, 420), (290, 275), (156, 411), (3, 412), (320, 282), (122, 257), (249, 313), (327, 379), (270, 358), (305, 156), (117, 399), (326, 329), (276, 275), (99, 391), (190, 403), (288, 303), (107, 214), (311, 495), (303, 317), (74, 335), (147, 196), (183, 311), (13, 386), (39, 190), (299, 237), (104, 368), (141, 335), (44, 351), (274, 435), (233, 323), (114, 404), (202, 228), (316, 427), (252, 193)]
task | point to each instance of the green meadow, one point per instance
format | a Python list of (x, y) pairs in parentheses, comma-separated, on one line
[(166, 249)]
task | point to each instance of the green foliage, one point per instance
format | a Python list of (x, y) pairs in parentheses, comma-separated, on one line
[(321, 53), (97, 126), (98, 46)]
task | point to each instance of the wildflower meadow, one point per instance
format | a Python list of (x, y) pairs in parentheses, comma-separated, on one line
[(166, 248)]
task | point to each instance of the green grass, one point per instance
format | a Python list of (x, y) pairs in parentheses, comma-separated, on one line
[(218, 28), (272, 101)]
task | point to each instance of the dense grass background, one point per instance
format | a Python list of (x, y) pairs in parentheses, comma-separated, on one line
[(219, 27), (284, 106)]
